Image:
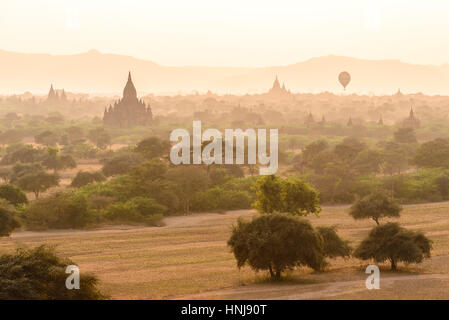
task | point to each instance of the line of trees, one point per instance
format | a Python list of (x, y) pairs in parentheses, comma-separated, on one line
[(279, 238)]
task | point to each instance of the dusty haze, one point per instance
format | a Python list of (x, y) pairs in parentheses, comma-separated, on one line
[(99, 73)]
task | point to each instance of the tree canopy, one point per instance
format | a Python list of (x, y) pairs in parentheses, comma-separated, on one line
[(83, 177), (13, 195), (276, 242), (289, 195), (8, 221), (375, 206), (433, 154), (153, 147), (394, 243), (38, 182)]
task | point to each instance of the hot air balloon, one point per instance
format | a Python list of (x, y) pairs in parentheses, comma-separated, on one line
[(344, 78)]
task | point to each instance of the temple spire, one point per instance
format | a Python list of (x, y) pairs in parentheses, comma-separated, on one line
[(276, 84), (130, 91), (381, 121), (412, 115), (349, 124), (52, 94)]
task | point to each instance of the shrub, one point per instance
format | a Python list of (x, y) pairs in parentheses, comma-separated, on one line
[(147, 206), (334, 246), (82, 178), (123, 211), (14, 195), (153, 147), (219, 198), (40, 274), (58, 211), (120, 164), (137, 209), (80, 150), (8, 221)]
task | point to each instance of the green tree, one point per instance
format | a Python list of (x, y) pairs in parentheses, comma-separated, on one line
[(149, 171), (433, 154), (19, 170), (62, 210), (13, 195), (153, 147), (82, 178), (289, 195), (39, 274), (367, 161), (375, 206), (11, 136), (405, 135), (38, 182), (75, 134), (147, 206), (187, 181), (395, 158), (8, 221), (120, 164), (137, 209), (321, 161), (47, 138), (334, 246), (348, 150), (312, 150), (390, 242), (54, 118), (5, 174), (57, 162), (276, 242), (100, 137), (80, 150), (103, 141), (24, 154)]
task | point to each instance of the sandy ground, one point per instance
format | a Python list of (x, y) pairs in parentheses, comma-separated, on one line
[(352, 289), (188, 259)]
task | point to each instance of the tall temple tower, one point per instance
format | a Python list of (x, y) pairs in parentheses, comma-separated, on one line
[(52, 95), (128, 111)]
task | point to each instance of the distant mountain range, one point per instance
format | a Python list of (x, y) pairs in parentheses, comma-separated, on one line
[(99, 73)]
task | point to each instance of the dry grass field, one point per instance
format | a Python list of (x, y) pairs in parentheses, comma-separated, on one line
[(189, 258)]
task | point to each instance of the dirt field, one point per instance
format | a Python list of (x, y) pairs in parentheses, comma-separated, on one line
[(189, 258)]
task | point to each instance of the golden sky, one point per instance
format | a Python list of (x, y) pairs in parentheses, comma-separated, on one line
[(231, 32)]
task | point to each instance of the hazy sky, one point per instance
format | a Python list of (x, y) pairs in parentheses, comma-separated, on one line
[(231, 32)]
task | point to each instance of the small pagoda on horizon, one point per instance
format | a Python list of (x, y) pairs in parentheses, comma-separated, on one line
[(411, 121), (54, 97), (276, 89)]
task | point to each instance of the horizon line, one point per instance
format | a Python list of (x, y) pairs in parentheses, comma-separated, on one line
[(96, 51)]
